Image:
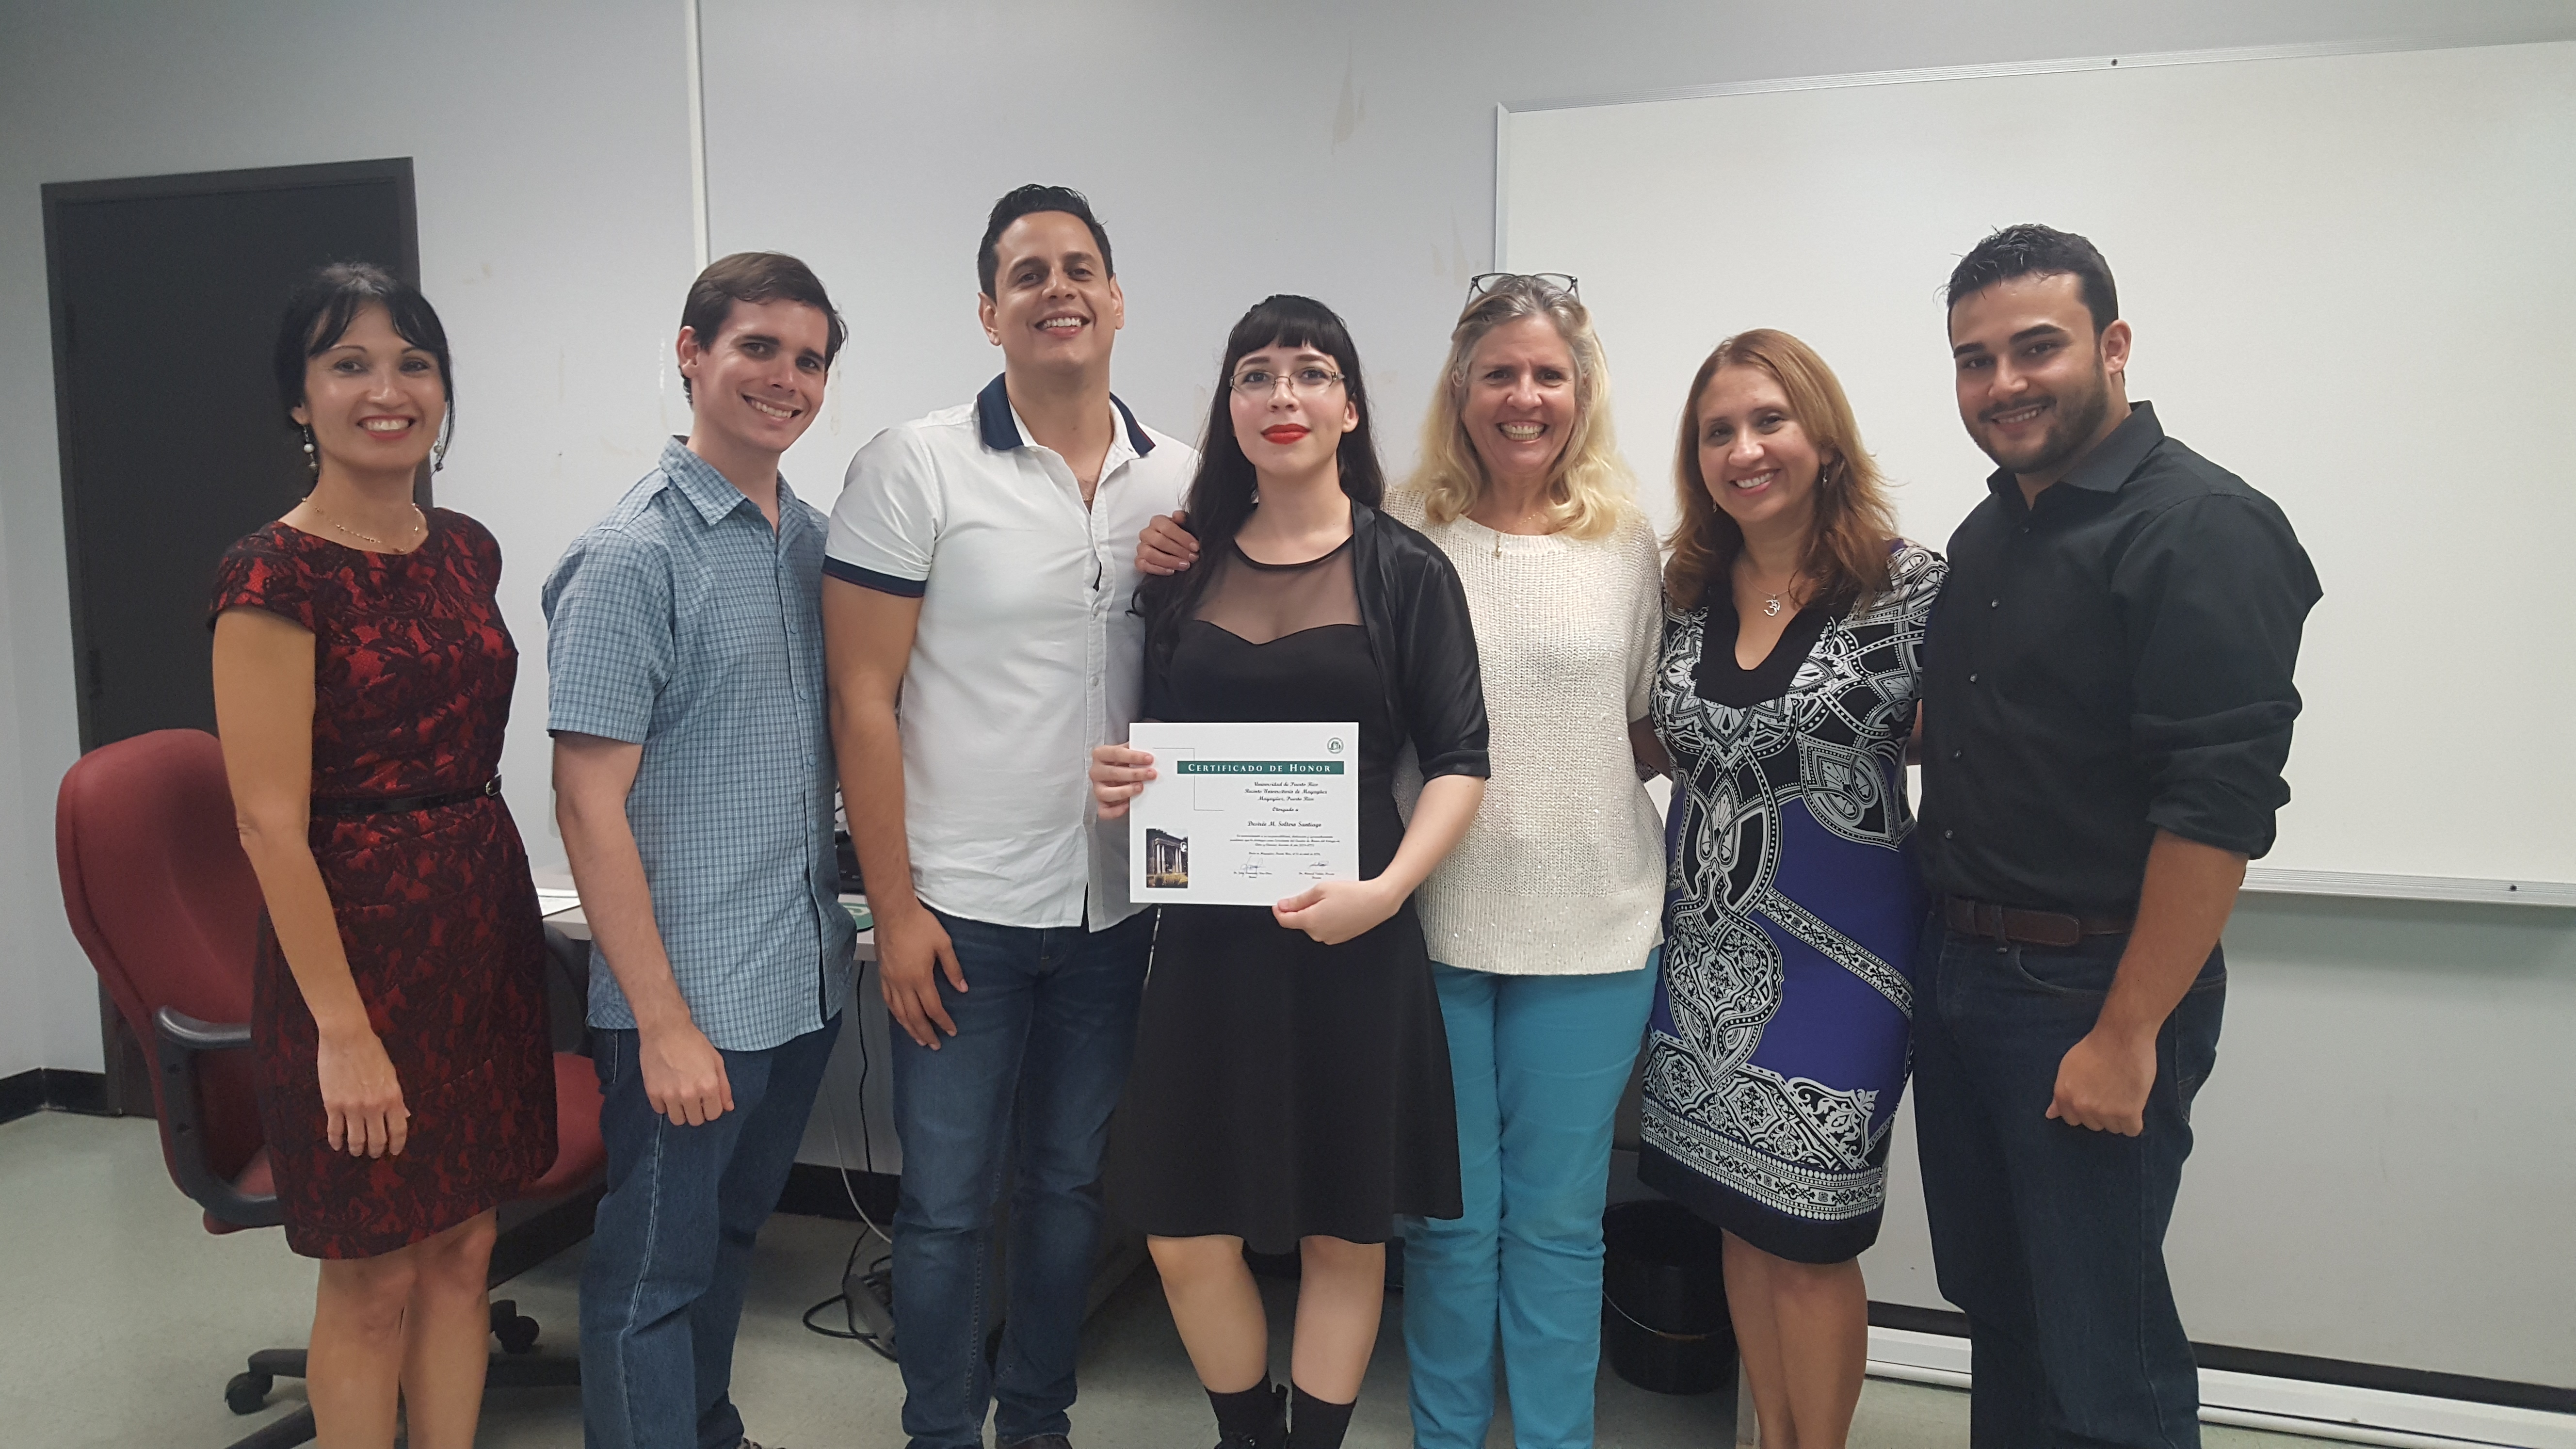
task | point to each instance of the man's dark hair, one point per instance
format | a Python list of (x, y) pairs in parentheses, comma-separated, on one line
[(2034, 250), (322, 306), (1026, 200), (756, 277)]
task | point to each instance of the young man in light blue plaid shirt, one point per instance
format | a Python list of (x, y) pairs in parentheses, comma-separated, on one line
[(693, 779)]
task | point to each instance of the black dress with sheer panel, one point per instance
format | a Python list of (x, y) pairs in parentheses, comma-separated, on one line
[(1284, 1088)]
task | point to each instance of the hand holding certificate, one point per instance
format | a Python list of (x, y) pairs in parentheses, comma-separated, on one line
[(1242, 814)]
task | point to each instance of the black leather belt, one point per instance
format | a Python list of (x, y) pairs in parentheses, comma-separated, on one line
[(400, 804), (2029, 928)]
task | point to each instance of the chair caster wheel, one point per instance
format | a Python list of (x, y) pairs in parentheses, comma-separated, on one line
[(248, 1392), (517, 1336)]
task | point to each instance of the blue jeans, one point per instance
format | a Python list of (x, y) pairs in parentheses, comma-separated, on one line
[(2051, 1237), (661, 1291), (1044, 1032), (1540, 1063)]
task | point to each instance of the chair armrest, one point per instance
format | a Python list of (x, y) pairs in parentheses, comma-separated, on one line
[(179, 1039), (180, 1029), (567, 992), (569, 959)]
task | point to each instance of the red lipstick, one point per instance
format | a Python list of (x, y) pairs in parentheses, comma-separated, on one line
[(1284, 433)]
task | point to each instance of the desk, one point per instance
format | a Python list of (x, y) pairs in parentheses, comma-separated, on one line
[(562, 911)]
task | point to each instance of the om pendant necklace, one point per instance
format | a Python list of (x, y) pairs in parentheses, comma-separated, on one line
[(1774, 600)]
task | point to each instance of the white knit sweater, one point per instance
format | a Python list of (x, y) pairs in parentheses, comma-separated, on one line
[(1562, 873)]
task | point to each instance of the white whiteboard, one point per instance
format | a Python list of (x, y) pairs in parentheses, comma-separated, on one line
[(2353, 279)]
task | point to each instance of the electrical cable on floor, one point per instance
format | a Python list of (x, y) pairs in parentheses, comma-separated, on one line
[(879, 1279), (876, 1275)]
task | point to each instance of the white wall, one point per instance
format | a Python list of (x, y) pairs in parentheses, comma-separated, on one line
[(551, 167)]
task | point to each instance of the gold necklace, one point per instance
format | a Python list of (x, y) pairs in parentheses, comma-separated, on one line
[(1524, 517), (419, 521)]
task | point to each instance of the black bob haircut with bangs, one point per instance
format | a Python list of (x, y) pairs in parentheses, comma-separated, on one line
[(1029, 200), (318, 314), (1221, 494), (2032, 250)]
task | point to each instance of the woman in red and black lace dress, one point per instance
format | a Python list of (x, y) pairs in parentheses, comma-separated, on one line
[(362, 679)]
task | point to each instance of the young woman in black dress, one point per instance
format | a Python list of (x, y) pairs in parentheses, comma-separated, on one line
[(1291, 1083)]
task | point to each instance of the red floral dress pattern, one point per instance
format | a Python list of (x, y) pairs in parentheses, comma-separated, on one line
[(412, 673)]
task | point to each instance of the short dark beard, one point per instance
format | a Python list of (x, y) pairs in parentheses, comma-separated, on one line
[(2077, 419), (2071, 430)]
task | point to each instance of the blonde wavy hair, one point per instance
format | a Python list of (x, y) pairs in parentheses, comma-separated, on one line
[(1847, 556), (1592, 486)]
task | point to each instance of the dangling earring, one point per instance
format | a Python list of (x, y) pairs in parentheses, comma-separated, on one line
[(312, 460), (438, 450)]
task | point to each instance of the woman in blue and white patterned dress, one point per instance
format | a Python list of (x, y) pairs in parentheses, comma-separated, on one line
[(1776, 1053)]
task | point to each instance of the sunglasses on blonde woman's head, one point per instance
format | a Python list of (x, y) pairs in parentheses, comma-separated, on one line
[(1478, 286)]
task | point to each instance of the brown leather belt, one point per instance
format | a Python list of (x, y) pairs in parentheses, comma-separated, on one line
[(2028, 928)]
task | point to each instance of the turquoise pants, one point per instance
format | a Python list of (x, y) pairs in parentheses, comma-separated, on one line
[(1540, 1062)]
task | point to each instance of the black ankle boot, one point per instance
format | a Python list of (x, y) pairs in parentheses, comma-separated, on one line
[(1254, 1419), (1319, 1425)]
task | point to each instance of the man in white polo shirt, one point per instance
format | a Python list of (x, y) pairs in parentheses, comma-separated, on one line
[(980, 569)]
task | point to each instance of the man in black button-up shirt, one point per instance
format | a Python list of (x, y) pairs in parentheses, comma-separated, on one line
[(2106, 713)]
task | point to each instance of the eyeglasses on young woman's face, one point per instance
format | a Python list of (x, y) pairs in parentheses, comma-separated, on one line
[(1309, 380)]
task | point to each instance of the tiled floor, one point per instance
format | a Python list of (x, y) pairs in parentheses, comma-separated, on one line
[(120, 1320)]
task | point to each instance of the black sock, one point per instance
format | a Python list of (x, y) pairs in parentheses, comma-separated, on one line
[(1249, 1414), (1316, 1424)]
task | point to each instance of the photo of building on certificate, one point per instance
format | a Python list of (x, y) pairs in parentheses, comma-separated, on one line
[(1167, 861)]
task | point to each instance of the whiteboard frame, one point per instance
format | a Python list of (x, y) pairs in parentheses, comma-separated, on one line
[(2222, 55), (2267, 881), (2258, 879)]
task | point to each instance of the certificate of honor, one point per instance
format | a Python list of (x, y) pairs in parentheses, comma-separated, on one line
[(1243, 814)]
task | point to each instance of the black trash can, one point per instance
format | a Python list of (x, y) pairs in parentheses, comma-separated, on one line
[(1663, 1299)]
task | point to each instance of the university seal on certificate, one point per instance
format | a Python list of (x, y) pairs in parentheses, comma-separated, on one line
[(1243, 814)]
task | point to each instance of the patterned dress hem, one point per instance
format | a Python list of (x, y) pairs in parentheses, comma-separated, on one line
[(1799, 1240)]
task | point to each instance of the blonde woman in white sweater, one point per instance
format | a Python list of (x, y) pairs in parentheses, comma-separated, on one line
[(1543, 920)]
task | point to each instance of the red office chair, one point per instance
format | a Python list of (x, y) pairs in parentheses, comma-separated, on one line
[(163, 900)]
